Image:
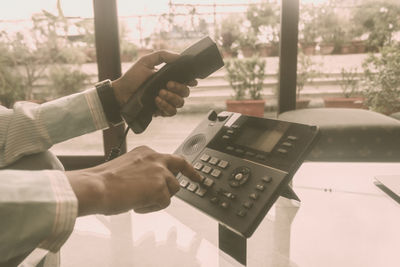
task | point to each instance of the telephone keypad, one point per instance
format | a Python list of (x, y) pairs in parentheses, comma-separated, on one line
[(206, 169), (216, 173), (205, 157), (192, 187), (183, 183), (223, 164), (201, 191), (213, 161), (198, 166), (208, 182)]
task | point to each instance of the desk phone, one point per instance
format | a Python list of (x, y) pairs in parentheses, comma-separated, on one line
[(246, 164)]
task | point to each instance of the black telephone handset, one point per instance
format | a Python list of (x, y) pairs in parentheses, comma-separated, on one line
[(246, 163), (198, 61)]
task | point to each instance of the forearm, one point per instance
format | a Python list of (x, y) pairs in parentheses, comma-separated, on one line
[(30, 128), (37, 208)]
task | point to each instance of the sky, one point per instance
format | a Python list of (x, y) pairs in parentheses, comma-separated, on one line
[(137, 30), (84, 8)]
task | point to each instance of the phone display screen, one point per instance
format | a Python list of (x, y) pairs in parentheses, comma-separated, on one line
[(259, 138)]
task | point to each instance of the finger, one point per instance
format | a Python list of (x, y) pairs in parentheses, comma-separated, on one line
[(165, 108), (158, 57), (178, 88), (192, 83), (173, 184), (173, 99), (178, 164), (148, 209)]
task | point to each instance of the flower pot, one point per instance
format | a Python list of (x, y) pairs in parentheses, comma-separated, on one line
[(359, 47), (247, 107), (344, 102), (347, 48), (308, 48), (326, 49), (267, 50), (247, 51)]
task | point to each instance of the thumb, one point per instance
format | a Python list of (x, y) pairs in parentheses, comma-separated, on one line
[(158, 57)]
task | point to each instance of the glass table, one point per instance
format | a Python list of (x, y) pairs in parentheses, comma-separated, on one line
[(343, 219)]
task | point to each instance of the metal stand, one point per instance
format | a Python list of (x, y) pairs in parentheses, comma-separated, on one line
[(234, 244)]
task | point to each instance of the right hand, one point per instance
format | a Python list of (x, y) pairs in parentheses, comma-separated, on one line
[(142, 180)]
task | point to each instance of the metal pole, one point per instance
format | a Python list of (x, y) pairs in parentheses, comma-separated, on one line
[(108, 58), (288, 55)]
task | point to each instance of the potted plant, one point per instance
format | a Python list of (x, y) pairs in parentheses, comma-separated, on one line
[(382, 80), (228, 34), (378, 21), (246, 77), (349, 84), (329, 30), (264, 22), (308, 29), (247, 42), (305, 74)]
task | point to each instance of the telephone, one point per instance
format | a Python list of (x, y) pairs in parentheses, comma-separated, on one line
[(246, 164), (197, 61)]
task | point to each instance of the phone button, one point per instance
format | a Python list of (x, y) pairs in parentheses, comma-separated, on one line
[(206, 169), (213, 161), (198, 166), (192, 187), (201, 191), (248, 204), (267, 179), (224, 204), (205, 157), (216, 173), (183, 183), (208, 182), (223, 164), (241, 213), (253, 196)]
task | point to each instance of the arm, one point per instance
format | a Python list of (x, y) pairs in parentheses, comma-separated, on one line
[(30, 128), (37, 209)]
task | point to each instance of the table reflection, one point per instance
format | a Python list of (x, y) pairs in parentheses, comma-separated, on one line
[(342, 220)]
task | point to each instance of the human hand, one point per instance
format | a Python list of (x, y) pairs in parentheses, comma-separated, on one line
[(169, 99), (142, 180)]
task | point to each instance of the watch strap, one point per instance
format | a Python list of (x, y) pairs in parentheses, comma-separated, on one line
[(109, 102)]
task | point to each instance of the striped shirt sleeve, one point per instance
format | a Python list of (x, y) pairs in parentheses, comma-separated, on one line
[(37, 209), (30, 128)]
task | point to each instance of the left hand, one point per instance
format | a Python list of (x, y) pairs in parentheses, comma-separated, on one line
[(169, 99)]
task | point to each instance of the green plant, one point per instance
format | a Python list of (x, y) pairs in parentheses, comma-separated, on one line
[(229, 32), (66, 80), (382, 80), (349, 82), (305, 72), (246, 77), (262, 14), (379, 20), (308, 29)]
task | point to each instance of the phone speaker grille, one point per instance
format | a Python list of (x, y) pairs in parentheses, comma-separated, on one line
[(194, 144)]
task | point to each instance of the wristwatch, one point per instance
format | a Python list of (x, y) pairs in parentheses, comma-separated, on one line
[(109, 102)]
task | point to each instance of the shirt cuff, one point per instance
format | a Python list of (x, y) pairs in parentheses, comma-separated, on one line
[(66, 211), (96, 109)]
